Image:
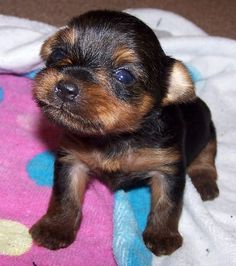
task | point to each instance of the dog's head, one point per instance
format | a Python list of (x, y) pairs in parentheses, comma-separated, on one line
[(105, 71)]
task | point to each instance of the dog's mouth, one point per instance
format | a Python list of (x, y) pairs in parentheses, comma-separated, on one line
[(61, 116)]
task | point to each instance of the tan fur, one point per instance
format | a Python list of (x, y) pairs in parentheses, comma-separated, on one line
[(160, 200), (67, 35), (124, 55), (65, 62), (181, 88), (47, 46), (203, 174), (45, 82), (162, 225), (101, 105), (78, 181), (117, 115), (146, 159), (205, 161), (112, 113)]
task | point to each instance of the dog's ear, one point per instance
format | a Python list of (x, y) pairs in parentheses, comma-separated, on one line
[(180, 87), (47, 46), (64, 37)]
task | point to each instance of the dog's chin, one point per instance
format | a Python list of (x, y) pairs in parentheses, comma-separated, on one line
[(71, 122)]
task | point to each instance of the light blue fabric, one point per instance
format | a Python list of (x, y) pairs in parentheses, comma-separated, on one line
[(40, 168), (194, 72), (1, 94), (130, 215), (31, 74)]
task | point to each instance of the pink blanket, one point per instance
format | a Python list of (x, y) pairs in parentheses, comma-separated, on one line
[(26, 142)]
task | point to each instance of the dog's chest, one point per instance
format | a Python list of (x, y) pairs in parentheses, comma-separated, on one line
[(98, 161), (128, 161)]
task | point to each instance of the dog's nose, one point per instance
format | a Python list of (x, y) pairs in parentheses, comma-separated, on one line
[(66, 91)]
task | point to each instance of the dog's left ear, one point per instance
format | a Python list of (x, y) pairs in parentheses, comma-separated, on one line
[(180, 87)]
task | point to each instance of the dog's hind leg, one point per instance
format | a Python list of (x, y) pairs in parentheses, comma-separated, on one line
[(202, 171)]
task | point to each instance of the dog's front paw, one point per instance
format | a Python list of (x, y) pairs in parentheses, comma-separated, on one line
[(51, 234), (161, 244)]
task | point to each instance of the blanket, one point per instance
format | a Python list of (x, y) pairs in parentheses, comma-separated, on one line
[(27, 143)]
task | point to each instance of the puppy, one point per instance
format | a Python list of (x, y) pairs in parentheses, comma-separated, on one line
[(130, 116)]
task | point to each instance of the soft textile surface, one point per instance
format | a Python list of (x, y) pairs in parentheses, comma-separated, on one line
[(26, 173), (26, 176), (208, 228), (21, 40)]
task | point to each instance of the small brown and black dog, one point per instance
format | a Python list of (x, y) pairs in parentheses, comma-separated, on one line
[(130, 116)]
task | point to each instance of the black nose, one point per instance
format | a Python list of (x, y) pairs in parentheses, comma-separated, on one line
[(66, 91)]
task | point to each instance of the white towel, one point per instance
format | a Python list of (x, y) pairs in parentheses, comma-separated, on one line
[(20, 42)]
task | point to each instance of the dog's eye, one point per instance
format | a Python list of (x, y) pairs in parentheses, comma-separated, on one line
[(57, 55), (124, 76)]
